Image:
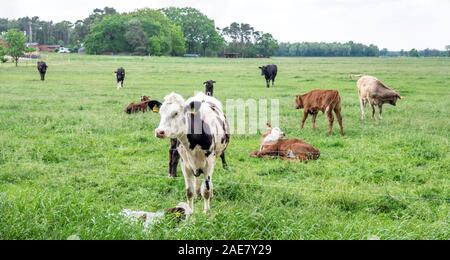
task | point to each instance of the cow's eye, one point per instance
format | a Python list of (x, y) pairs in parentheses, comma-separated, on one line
[(175, 114)]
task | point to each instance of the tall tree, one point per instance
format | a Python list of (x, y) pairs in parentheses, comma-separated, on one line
[(2, 54), (267, 45), (414, 53), (143, 31), (136, 37), (15, 42), (199, 31)]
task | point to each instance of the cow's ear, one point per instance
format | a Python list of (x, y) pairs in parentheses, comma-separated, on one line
[(260, 67), (214, 82)]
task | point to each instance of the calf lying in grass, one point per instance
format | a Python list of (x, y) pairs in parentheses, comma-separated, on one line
[(274, 144), (143, 106)]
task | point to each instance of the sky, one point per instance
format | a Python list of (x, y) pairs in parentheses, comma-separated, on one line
[(392, 24)]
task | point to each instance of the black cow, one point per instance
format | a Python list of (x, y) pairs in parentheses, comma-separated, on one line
[(42, 68), (120, 75), (270, 73), (209, 87)]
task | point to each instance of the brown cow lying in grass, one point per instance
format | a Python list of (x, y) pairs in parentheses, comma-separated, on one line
[(326, 101), (274, 144), (143, 106)]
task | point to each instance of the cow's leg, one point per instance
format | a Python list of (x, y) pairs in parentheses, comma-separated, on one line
[(373, 111), (314, 117), (305, 116), (380, 107), (362, 104), (330, 121), (189, 180), (224, 162), (174, 158), (268, 83), (273, 82), (207, 188), (198, 187), (337, 111)]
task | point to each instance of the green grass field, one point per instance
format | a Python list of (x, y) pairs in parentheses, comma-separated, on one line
[(71, 160)]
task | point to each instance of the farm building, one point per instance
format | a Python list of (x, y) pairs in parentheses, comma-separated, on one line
[(48, 48), (231, 55)]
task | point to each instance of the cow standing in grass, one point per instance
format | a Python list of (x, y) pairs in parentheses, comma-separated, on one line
[(270, 73), (202, 131), (327, 101), (42, 68), (120, 76), (173, 152), (209, 87), (373, 91)]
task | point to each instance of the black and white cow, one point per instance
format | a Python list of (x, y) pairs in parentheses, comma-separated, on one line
[(270, 73), (209, 87), (173, 152), (202, 130), (42, 68), (120, 76)]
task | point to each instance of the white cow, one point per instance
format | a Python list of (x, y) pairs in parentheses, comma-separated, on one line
[(374, 92), (202, 129)]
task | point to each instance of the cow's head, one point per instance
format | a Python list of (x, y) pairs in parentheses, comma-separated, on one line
[(299, 101), (393, 98), (120, 72), (145, 98), (263, 70), (209, 87), (273, 134), (173, 122)]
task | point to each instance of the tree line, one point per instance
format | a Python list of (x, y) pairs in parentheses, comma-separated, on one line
[(169, 31), (323, 49), (178, 31)]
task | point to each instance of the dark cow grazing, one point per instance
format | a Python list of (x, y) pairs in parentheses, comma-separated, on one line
[(120, 76), (274, 144), (270, 73), (202, 131), (326, 101), (143, 106), (373, 91), (42, 68), (209, 87)]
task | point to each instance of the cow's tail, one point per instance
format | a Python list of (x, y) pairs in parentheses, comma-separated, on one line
[(336, 100)]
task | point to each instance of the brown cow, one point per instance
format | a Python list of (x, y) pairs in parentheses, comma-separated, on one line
[(143, 106), (326, 101), (139, 107), (275, 145)]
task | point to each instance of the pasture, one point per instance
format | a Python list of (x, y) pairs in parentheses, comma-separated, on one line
[(71, 159)]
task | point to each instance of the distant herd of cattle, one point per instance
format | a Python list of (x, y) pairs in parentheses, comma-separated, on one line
[(199, 130)]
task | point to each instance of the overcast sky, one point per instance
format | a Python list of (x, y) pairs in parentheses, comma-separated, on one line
[(394, 24)]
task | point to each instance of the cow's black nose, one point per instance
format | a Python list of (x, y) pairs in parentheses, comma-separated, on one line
[(160, 134)]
